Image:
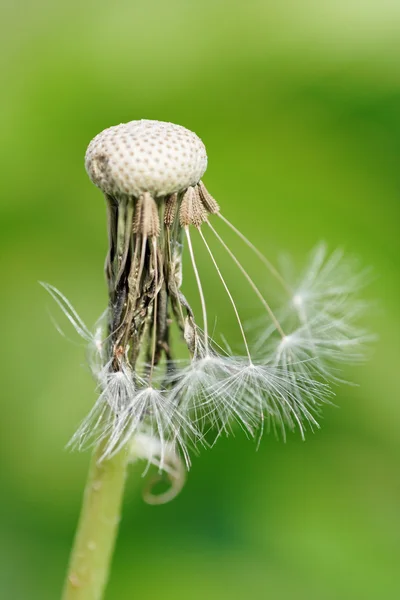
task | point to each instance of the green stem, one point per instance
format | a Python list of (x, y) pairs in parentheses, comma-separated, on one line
[(98, 527)]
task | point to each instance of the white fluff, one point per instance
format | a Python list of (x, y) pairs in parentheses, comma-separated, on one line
[(283, 387)]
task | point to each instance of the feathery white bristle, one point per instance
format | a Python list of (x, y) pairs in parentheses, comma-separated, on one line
[(151, 408), (321, 319), (329, 282), (144, 446), (284, 387), (158, 409), (194, 391), (117, 390), (254, 393), (69, 311)]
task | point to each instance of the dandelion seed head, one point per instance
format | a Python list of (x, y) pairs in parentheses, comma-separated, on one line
[(145, 156), (152, 402)]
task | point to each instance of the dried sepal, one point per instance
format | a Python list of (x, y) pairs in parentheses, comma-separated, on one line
[(171, 206), (192, 211), (208, 201), (146, 220)]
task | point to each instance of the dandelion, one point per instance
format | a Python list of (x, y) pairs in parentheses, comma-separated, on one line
[(153, 406)]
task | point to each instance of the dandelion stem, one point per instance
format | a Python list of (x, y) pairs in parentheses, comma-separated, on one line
[(200, 288), (97, 528)]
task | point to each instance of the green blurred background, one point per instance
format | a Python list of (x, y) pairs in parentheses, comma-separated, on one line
[(298, 103)]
